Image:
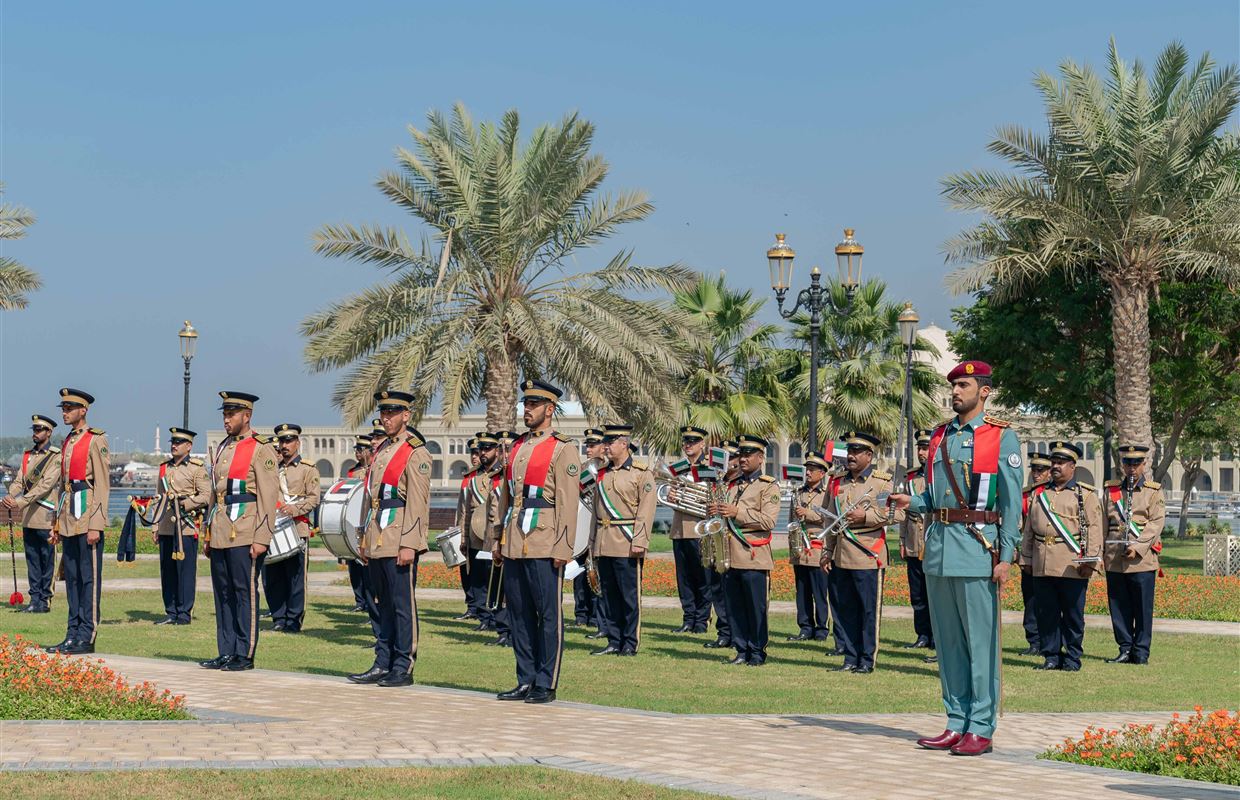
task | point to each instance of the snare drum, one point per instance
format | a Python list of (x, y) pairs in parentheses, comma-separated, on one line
[(340, 517), (449, 543), (285, 543)]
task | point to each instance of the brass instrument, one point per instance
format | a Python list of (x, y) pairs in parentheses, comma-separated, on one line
[(592, 466), (691, 498), (714, 534), (835, 523)]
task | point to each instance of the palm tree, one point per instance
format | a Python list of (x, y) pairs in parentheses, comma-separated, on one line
[(1135, 181), (733, 381), (861, 367), (498, 300), (16, 280)]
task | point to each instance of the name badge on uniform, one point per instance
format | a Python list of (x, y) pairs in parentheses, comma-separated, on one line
[(967, 443)]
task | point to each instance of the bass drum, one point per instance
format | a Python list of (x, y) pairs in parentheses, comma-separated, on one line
[(285, 543), (340, 517)]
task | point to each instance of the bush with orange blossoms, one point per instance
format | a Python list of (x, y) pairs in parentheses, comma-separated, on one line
[(37, 685), (1203, 747)]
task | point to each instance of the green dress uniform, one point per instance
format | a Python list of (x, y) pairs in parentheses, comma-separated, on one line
[(963, 598)]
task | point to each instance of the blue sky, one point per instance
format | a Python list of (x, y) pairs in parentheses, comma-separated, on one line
[(179, 156)]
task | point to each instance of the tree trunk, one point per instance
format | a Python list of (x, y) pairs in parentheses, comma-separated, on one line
[(500, 388), (1130, 330), (1191, 471)]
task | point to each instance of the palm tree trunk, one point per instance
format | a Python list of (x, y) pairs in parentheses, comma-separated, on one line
[(1130, 332), (500, 388)]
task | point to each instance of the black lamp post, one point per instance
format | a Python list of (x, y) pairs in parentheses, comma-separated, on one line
[(848, 260), (908, 335), (189, 341)]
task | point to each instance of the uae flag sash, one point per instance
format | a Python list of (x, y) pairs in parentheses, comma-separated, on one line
[(609, 506), (1061, 529), (880, 542), (746, 542), (983, 482), (470, 486), (1125, 513), (528, 504), (73, 473), (389, 501), (31, 479), (238, 486)]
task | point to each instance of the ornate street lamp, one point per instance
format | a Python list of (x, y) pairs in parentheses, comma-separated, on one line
[(189, 342), (779, 258), (907, 323)]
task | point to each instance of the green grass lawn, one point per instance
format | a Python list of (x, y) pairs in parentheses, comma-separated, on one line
[(675, 673), (149, 568), (509, 783)]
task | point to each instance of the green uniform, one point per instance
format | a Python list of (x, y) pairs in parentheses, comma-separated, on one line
[(963, 600)]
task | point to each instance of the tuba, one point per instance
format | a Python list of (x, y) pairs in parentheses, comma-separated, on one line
[(691, 498), (714, 534)]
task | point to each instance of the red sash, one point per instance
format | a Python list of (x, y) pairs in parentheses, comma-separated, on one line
[(986, 441), (391, 474), (539, 464), (1024, 504), (25, 461), (76, 464), (243, 455)]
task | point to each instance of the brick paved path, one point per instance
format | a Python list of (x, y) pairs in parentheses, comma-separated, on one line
[(289, 719)]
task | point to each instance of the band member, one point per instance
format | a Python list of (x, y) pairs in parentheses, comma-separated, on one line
[(1062, 544), (1039, 472), (750, 513), (32, 494), (284, 582), (240, 525), (1135, 512), (538, 508), (912, 541), (805, 551), (82, 515), (585, 602), (687, 545), (714, 578), (856, 556), (357, 570), (186, 491), (471, 515), (969, 544), (624, 505), (471, 612), (397, 523), (496, 602)]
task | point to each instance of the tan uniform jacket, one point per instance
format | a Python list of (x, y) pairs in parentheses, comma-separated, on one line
[(630, 490), (257, 521), (96, 516), (471, 512), (842, 552), (1148, 509), (411, 524), (684, 526), (494, 517), (556, 528), (757, 501), (189, 481), (1042, 550), (35, 488), (1026, 497), (804, 497), (302, 481), (913, 528)]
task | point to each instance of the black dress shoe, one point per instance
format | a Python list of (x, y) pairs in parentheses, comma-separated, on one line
[(238, 664), (503, 641), (844, 668), (372, 675), (800, 637), (922, 642), (698, 630), (77, 649), (596, 635), (215, 663), (863, 670), (41, 610), (682, 629), (739, 659), (466, 615), (167, 621), (836, 651), (755, 662), (358, 607), (1122, 658), (1138, 661), (1070, 667), (1048, 664), (515, 693), (537, 695), (930, 660), (718, 643), (627, 652), (266, 614), (1029, 651), (392, 679), (279, 627), (606, 651), (56, 648)]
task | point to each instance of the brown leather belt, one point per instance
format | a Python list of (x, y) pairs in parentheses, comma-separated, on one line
[(946, 515)]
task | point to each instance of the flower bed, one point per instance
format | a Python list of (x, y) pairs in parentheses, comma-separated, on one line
[(36, 685), (1203, 748)]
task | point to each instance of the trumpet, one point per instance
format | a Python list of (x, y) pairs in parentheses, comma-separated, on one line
[(691, 498)]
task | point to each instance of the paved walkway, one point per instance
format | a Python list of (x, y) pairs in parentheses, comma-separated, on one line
[(270, 719)]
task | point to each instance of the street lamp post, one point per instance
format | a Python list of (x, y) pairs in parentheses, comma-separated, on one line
[(779, 258), (908, 335), (189, 341)]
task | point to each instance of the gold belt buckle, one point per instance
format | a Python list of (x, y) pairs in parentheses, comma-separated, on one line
[(374, 503), (942, 515), (219, 498), (606, 523)]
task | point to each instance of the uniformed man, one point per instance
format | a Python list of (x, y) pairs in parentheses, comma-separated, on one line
[(471, 447), (1039, 472), (687, 544), (750, 513), (397, 524), (912, 541), (538, 508), (82, 515), (1135, 514), (240, 524), (284, 582), (357, 570), (32, 494), (471, 515), (714, 577), (185, 491), (805, 551), (495, 589), (1063, 547), (856, 555), (624, 505), (970, 542), (585, 602)]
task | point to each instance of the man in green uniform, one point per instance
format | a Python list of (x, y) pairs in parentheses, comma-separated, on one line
[(972, 503)]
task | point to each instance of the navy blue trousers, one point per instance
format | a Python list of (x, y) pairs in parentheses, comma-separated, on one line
[(476, 581), (1029, 598), (585, 601), (40, 561), (1130, 596), (176, 578), (621, 582), (532, 587), (83, 585), (833, 597), (718, 597), (358, 581), (748, 595), (396, 646), (234, 582), (1061, 618), (813, 606), (918, 600), (284, 583), (857, 611), (695, 600)]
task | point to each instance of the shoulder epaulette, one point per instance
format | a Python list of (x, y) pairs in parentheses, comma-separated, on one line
[(97, 431), (1116, 482), (642, 465), (1089, 487), (262, 439), (562, 437), (998, 423), (55, 449), (1153, 485), (766, 479), (197, 462), (882, 476)]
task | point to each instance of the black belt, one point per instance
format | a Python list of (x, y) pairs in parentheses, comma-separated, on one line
[(391, 502), (234, 499)]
